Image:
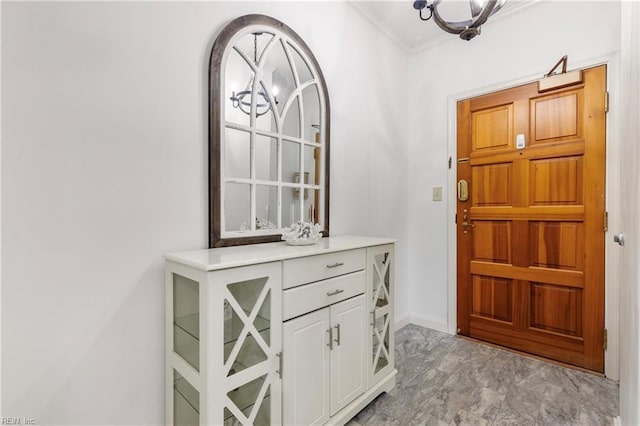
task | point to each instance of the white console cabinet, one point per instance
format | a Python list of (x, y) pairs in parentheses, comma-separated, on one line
[(272, 334)]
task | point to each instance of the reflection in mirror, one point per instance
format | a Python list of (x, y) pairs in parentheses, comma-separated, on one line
[(266, 207), (237, 153), (253, 44), (292, 121), (312, 164), (304, 73), (311, 206), (266, 119), (239, 77), (277, 70), (290, 207), (237, 206), (311, 105), (290, 161), (266, 158), (242, 97)]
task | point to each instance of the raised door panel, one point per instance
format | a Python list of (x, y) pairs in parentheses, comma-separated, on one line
[(556, 181), (492, 298), (557, 309), (492, 241), (492, 129), (557, 245), (348, 356), (556, 117), (306, 369), (491, 185)]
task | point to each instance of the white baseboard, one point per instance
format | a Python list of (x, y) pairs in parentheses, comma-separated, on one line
[(402, 320), (428, 322)]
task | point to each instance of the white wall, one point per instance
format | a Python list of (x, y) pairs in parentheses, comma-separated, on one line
[(104, 154), (524, 44), (630, 177)]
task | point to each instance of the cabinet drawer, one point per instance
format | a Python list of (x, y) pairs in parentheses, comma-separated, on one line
[(300, 300), (315, 268)]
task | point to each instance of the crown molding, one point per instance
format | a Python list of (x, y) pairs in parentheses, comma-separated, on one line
[(386, 30)]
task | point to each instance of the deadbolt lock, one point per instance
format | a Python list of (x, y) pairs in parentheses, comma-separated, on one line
[(463, 190)]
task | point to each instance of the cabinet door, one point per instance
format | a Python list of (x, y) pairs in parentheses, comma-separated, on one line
[(348, 357), (305, 372), (246, 323), (380, 288)]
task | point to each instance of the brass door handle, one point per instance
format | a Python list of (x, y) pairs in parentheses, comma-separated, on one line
[(468, 225)]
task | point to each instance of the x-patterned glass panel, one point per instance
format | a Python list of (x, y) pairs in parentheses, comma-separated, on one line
[(380, 350), (381, 276), (246, 324), (251, 404)]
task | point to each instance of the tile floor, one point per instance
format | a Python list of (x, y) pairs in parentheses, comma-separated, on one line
[(445, 380)]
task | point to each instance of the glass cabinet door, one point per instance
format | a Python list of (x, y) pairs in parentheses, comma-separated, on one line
[(186, 402), (251, 338), (186, 320), (380, 276), (183, 297)]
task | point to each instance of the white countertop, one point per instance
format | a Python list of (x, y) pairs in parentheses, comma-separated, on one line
[(231, 257)]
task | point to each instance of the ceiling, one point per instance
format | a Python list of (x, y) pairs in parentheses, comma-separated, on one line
[(400, 21)]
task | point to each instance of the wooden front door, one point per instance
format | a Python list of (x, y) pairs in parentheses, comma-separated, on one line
[(530, 236)]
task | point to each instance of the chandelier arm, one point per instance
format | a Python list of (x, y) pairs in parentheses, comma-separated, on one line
[(476, 7), (497, 7)]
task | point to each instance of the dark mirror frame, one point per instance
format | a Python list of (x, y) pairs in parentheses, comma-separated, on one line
[(215, 122)]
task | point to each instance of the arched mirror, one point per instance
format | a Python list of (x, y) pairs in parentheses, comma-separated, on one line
[(268, 133)]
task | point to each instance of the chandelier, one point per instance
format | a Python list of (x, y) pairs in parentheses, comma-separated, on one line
[(481, 10), (263, 105)]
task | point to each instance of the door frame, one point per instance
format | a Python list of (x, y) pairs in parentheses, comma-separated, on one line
[(613, 200)]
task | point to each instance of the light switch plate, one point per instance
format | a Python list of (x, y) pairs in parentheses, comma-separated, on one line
[(437, 193)]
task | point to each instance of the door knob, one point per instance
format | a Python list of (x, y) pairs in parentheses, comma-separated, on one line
[(619, 238)]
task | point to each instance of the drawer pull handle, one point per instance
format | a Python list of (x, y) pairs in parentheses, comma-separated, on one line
[(338, 334), (335, 265), (333, 293)]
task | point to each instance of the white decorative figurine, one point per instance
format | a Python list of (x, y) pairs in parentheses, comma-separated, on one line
[(302, 234)]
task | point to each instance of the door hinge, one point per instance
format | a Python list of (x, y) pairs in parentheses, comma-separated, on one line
[(449, 162), (606, 221), (605, 337), (606, 101)]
